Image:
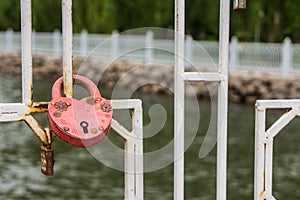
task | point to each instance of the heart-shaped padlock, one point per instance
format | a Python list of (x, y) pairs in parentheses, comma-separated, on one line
[(82, 122)]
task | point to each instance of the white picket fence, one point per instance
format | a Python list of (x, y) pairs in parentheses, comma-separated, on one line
[(282, 57)]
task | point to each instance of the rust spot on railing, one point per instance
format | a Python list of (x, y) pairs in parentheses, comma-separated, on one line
[(261, 194), (68, 90), (39, 107), (47, 160)]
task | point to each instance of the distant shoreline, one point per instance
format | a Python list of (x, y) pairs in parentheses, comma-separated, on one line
[(244, 86)]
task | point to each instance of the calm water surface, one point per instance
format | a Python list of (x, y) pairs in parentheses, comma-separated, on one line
[(78, 175)]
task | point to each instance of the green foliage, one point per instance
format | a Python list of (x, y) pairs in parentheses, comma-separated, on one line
[(46, 15), (202, 18), (143, 13), (95, 16), (268, 21), (10, 14)]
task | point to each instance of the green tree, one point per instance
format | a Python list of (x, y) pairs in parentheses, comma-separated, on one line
[(202, 19), (246, 24), (267, 21), (263, 20), (10, 14), (46, 15), (144, 13), (291, 19), (95, 16)]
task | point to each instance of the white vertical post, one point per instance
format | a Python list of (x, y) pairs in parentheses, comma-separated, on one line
[(234, 53), (134, 182), (56, 42), (223, 100), (138, 128), (268, 167), (259, 172), (189, 51), (286, 56), (33, 41), (179, 100), (67, 47), (83, 43), (134, 186), (9, 39), (149, 47), (115, 45), (26, 30)]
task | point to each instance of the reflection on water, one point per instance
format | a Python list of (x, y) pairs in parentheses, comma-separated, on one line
[(78, 175)]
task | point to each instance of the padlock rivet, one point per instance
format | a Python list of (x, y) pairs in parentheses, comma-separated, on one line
[(61, 106), (66, 128), (106, 107), (56, 114), (101, 128), (91, 101), (94, 130)]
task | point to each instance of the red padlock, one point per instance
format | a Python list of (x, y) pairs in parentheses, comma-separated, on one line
[(84, 122)]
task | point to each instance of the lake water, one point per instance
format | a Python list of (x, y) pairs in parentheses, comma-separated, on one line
[(79, 175)]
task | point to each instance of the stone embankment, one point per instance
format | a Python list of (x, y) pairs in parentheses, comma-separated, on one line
[(244, 86)]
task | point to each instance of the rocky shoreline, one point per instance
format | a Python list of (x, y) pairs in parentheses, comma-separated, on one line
[(244, 86)]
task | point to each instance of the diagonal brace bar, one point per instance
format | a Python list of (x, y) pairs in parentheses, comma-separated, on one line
[(284, 120)]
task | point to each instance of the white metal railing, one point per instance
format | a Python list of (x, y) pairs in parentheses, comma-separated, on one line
[(221, 77), (11, 112), (282, 57), (133, 140), (264, 138), (134, 145)]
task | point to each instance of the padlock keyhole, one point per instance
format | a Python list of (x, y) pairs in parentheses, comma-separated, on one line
[(84, 126)]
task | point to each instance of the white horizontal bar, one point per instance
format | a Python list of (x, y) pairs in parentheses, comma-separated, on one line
[(127, 104), (10, 112), (278, 103), (203, 76), (16, 111)]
